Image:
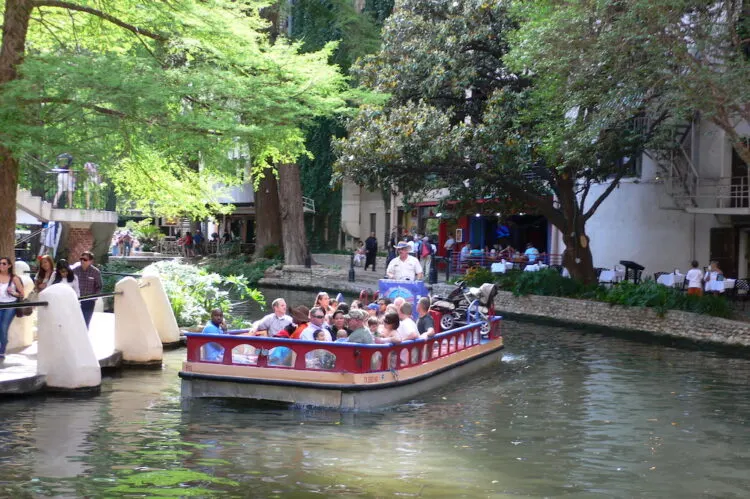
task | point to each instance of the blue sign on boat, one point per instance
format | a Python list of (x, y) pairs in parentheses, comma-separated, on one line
[(411, 291)]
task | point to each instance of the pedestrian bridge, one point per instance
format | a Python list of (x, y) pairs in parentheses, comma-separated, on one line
[(57, 351)]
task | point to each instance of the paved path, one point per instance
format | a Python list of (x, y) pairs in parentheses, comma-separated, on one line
[(18, 374)]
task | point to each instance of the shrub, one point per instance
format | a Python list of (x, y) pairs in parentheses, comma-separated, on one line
[(273, 252), (120, 267), (193, 291), (252, 270), (549, 282)]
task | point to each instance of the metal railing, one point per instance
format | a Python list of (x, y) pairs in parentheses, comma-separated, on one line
[(308, 205)]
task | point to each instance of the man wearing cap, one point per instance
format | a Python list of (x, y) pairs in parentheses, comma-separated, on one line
[(405, 267), (317, 318), (360, 334)]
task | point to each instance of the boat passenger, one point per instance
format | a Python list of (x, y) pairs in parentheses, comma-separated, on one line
[(343, 307), (407, 327), (300, 320), (382, 304), (372, 309), (373, 324), (316, 324), (425, 323), (389, 334), (359, 334), (356, 304), (273, 322), (338, 322), (64, 275), (341, 336), (323, 301), (213, 352), (44, 274)]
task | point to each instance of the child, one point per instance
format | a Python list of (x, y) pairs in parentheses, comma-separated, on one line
[(372, 324), (342, 336), (694, 277)]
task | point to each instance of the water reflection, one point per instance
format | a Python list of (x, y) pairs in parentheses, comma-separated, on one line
[(564, 413)]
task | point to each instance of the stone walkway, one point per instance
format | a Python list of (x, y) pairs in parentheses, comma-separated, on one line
[(330, 272), (18, 373)]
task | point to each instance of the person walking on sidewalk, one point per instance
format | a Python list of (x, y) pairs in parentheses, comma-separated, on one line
[(371, 249), (11, 290), (89, 283)]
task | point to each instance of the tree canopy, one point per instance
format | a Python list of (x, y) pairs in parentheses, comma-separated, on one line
[(152, 90), (521, 104)]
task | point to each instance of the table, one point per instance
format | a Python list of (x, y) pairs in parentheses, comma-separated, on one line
[(501, 267), (671, 280), (611, 276), (714, 286)]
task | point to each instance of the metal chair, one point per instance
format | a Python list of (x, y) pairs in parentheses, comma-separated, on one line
[(657, 275), (741, 291)]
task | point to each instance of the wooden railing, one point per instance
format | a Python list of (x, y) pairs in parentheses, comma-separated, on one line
[(259, 351)]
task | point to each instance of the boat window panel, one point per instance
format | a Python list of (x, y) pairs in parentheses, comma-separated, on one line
[(376, 362), (461, 340), (245, 354), (392, 357), (320, 359), (444, 347), (476, 336), (212, 352), (281, 357), (452, 347), (415, 355), (404, 355), (427, 352), (435, 350)]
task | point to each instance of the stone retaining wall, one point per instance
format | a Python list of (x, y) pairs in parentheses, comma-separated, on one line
[(674, 324)]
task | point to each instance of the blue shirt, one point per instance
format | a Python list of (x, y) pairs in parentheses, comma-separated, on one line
[(212, 352)]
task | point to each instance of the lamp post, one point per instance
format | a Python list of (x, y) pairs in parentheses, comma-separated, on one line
[(351, 268)]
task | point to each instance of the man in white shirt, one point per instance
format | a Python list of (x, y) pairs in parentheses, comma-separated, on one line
[(405, 267), (317, 318), (273, 322), (407, 328), (694, 278)]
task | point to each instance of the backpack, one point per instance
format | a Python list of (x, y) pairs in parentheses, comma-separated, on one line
[(426, 249)]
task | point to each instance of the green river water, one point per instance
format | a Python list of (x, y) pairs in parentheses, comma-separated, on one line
[(565, 413)]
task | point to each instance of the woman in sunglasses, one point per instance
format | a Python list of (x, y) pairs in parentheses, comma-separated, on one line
[(11, 290), (64, 275)]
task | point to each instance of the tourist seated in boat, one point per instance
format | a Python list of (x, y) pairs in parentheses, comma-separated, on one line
[(317, 320), (273, 322), (407, 327), (425, 323), (359, 334), (373, 323), (300, 319), (323, 301), (372, 309), (341, 336), (338, 322), (389, 332), (213, 352), (382, 304)]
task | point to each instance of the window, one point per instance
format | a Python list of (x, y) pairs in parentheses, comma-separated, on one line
[(373, 222)]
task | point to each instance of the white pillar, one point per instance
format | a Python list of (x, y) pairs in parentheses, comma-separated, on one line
[(160, 309), (135, 334), (65, 354)]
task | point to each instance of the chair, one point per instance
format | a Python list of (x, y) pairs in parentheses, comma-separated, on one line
[(741, 291), (598, 271), (657, 275)]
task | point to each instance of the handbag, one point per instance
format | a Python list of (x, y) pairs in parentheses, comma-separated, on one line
[(24, 311)]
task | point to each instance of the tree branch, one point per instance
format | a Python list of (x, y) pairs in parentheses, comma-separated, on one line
[(103, 15), (604, 195)]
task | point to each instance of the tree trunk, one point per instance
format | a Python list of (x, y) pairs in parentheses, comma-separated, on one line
[(577, 257), (267, 214), (292, 215), (15, 27)]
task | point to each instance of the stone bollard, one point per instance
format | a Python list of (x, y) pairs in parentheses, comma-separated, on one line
[(135, 334), (65, 354), (160, 309), (21, 332)]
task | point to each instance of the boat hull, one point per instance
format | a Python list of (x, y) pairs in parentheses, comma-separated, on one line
[(353, 392)]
